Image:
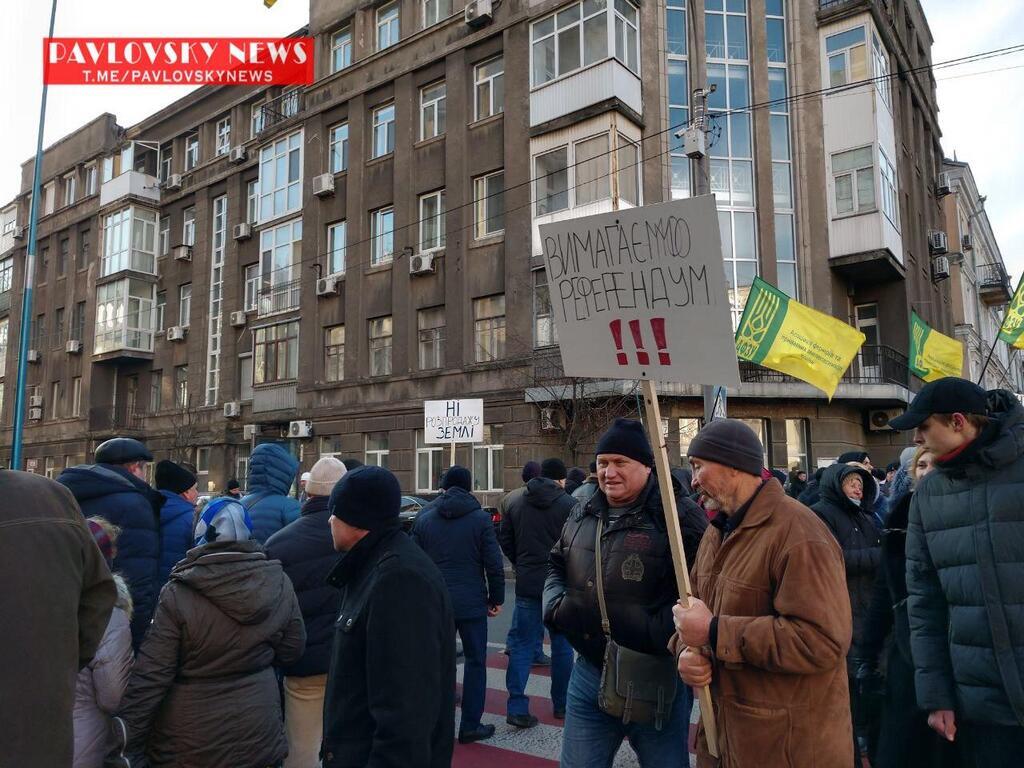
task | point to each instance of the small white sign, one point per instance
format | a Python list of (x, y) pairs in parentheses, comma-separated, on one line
[(453, 421), (640, 293)]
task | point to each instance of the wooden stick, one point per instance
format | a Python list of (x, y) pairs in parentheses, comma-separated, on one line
[(675, 540)]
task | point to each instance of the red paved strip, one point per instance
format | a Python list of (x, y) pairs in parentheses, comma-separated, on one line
[(496, 703), (481, 755), (500, 661)]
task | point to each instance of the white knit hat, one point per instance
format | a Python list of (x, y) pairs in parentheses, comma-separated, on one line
[(325, 473)]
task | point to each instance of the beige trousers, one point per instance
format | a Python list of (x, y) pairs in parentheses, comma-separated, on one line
[(304, 720)]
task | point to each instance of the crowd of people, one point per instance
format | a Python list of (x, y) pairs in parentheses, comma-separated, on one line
[(857, 616)]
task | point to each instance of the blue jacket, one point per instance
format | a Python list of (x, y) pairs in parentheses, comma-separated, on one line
[(306, 551), (112, 492), (271, 474), (176, 519), (459, 537)]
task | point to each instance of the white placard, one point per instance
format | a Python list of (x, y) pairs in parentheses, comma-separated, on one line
[(640, 294), (453, 421)]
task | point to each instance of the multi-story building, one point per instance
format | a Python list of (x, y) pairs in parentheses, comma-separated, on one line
[(310, 264)]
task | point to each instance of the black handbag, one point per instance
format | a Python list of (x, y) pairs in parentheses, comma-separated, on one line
[(635, 687)]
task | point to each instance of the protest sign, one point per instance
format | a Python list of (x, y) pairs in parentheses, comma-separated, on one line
[(453, 421)]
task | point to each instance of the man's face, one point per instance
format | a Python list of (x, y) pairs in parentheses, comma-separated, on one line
[(941, 437), (621, 478), (344, 535), (191, 495), (236, 492), (802, 477), (714, 483), (853, 487), (137, 468)]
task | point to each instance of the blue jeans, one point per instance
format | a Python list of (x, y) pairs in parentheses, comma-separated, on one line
[(591, 738), (528, 620), (473, 633)]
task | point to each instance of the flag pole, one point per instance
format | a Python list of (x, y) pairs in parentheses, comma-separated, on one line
[(1015, 301)]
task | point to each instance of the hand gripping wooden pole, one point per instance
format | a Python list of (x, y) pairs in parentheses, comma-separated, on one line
[(675, 540)]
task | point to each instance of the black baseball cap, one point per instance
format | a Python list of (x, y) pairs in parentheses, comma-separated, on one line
[(949, 395)]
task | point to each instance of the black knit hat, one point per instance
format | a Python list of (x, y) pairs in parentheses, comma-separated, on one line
[(858, 456), (553, 469), (172, 477), (627, 437), (368, 497), (731, 443), (531, 469), (457, 477)]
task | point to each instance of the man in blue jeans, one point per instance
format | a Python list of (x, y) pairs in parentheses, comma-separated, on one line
[(530, 526)]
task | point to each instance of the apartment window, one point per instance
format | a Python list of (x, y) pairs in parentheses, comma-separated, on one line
[(49, 191), (880, 65), (129, 241), (847, 57), (6, 274), (50, 467), (382, 228), (580, 35), (339, 148), (796, 444), (489, 204), (181, 387), (251, 197), (591, 170), (76, 396), (255, 120), (551, 170), (252, 287), (436, 11), (489, 460), (62, 257), (184, 303), (489, 328), (4, 327), (627, 33), (380, 346), (432, 110), (383, 130), (336, 248), (432, 235), (56, 396), (223, 136), (489, 87), (853, 175), (156, 391), (166, 162), (69, 189), (688, 429), (188, 227), (58, 330), (890, 197), (726, 29), (276, 353), (544, 334), (39, 332), (108, 168), (191, 151), (44, 264), (377, 449), (165, 236), (334, 353), (85, 248), (77, 322), (280, 258), (430, 327), (90, 179), (387, 26), (124, 316), (281, 177), (341, 49), (429, 464), (203, 460)]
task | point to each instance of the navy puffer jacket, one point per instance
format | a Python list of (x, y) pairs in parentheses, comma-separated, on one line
[(271, 474), (459, 537), (176, 518), (112, 492), (965, 560)]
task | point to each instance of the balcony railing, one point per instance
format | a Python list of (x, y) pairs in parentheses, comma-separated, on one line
[(115, 419), (874, 364), (994, 283), (279, 298), (278, 110)]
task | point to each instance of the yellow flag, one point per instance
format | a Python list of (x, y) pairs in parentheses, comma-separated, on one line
[(933, 355), (787, 336)]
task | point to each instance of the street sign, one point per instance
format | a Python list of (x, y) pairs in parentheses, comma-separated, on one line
[(453, 421), (640, 293)]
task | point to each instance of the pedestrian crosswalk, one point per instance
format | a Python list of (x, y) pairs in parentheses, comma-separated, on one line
[(511, 747)]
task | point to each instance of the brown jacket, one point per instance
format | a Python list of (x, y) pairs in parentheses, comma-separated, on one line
[(778, 587)]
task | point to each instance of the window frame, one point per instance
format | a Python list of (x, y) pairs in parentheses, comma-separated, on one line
[(335, 268), (223, 136), (854, 174), (344, 34), (539, 278), (378, 237), (184, 304), (430, 340), (380, 455), (89, 175), (69, 182), (435, 464), (334, 354), (439, 238), (438, 17), (489, 80), (388, 16), (270, 350), (481, 215), (191, 150), (270, 189), (387, 126), (846, 53), (490, 331), (251, 293), (336, 138), (490, 447), (377, 343), (438, 106)]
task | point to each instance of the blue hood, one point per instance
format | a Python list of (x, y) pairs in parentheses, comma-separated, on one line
[(455, 502), (271, 469), (175, 507)]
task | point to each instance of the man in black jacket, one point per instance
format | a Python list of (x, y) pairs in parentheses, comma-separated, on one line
[(391, 687), (306, 551), (639, 588), (530, 527)]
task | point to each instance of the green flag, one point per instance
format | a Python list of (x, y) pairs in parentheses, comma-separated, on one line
[(933, 355), (1012, 329)]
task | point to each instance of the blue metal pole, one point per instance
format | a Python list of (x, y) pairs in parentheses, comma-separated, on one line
[(30, 269)]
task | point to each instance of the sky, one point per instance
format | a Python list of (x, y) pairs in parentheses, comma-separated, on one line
[(981, 110)]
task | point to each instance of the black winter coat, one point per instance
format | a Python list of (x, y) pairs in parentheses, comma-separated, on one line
[(639, 581), (390, 697), (459, 537), (857, 535), (113, 492), (306, 551), (888, 606), (530, 527)]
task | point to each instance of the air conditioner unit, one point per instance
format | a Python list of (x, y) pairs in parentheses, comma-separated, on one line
[(35, 401), (478, 13), (73, 347), (33, 356), (878, 420), (300, 429), (19, 233), (943, 186), (249, 431), (232, 410), (176, 333), (242, 231), (550, 419), (238, 318), (173, 183), (183, 253), (328, 286), (323, 185), (694, 143), (938, 242), (967, 243), (35, 414), (237, 154), (422, 264), (940, 268)]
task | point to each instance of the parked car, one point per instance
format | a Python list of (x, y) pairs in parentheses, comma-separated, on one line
[(413, 503)]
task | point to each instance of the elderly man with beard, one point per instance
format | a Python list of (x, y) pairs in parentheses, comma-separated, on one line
[(769, 625)]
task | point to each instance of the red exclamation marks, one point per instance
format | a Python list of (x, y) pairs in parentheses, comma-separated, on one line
[(616, 328), (641, 356), (658, 326)]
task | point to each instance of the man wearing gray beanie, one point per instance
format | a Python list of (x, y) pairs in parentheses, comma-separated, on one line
[(770, 618)]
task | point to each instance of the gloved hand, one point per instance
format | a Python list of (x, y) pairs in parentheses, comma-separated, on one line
[(867, 679)]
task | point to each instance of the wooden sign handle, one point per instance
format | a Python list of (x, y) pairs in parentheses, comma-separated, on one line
[(675, 539)]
